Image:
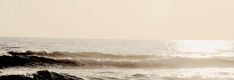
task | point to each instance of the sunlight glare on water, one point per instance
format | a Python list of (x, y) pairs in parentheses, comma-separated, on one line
[(203, 46)]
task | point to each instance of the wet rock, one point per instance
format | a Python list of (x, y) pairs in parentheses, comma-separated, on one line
[(41, 75), (46, 75)]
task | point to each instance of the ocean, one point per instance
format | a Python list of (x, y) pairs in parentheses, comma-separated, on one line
[(110, 59)]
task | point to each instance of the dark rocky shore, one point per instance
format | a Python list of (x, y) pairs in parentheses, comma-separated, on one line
[(33, 59), (41, 75)]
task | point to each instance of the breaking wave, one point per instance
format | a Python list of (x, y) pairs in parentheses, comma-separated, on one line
[(95, 60), (33, 59)]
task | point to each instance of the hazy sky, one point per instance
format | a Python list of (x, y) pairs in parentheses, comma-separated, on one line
[(118, 19)]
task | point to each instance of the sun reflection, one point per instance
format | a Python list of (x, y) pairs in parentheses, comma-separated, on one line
[(203, 46)]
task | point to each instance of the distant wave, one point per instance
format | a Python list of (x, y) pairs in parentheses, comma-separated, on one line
[(95, 60)]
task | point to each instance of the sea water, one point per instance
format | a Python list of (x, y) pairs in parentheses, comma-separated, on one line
[(109, 59)]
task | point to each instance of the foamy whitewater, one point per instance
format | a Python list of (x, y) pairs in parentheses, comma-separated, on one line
[(97, 59)]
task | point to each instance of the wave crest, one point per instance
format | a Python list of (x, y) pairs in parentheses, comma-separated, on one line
[(95, 59), (33, 59)]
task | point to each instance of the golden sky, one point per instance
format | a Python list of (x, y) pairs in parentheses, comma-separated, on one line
[(118, 19)]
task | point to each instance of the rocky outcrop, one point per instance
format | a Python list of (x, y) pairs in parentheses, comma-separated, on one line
[(41, 75), (46, 75)]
